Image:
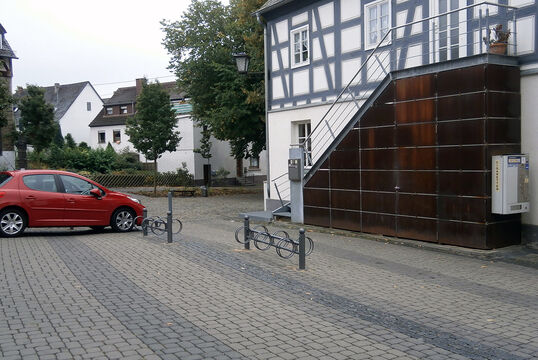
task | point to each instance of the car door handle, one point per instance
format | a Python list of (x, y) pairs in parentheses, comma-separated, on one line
[(71, 200), (30, 197)]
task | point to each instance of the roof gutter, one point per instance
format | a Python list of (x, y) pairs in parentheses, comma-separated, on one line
[(272, 7)]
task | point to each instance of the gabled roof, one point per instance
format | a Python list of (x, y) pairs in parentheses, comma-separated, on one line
[(272, 4), (109, 120), (66, 95), (62, 100), (5, 49), (127, 95)]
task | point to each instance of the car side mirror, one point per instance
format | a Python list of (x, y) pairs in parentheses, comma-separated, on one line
[(96, 193)]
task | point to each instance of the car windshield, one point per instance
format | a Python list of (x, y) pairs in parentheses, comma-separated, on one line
[(4, 178)]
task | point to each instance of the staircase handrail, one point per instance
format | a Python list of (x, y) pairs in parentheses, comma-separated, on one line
[(373, 51)]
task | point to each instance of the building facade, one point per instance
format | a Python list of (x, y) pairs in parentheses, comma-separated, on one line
[(328, 61), (7, 151), (110, 124)]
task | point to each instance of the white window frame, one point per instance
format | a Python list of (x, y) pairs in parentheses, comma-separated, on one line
[(302, 62), (299, 139), (109, 110), (123, 109), (99, 137), (367, 44)]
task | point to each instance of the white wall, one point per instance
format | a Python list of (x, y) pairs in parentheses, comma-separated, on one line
[(282, 135), (529, 142), (77, 118)]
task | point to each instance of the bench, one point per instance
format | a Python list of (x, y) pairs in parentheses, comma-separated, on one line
[(185, 192)]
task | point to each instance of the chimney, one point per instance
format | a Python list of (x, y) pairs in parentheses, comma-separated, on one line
[(56, 91), (139, 83)]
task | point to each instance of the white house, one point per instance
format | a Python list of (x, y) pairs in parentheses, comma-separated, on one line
[(109, 127), (75, 106), (331, 63)]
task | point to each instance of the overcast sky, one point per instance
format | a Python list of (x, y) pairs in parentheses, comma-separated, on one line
[(108, 42)]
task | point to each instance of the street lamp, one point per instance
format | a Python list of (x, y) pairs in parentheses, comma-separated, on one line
[(242, 61)]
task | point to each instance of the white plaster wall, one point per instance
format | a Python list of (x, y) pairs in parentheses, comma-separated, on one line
[(529, 145), (77, 118), (280, 136)]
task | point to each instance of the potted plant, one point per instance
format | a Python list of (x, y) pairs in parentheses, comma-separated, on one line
[(498, 42)]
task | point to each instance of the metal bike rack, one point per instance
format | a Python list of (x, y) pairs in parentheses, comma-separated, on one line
[(159, 226), (285, 246)]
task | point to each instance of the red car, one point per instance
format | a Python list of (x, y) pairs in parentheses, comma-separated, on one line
[(46, 198)]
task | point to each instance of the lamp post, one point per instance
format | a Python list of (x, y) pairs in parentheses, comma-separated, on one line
[(242, 60)]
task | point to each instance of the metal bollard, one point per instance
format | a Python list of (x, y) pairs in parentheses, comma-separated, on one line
[(144, 222), (247, 233), (169, 225), (302, 251), (170, 201)]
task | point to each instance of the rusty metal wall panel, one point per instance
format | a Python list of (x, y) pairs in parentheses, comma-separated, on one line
[(342, 199), (462, 158), (317, 216), (380, 137), (462, 234), (424, 182), (461, 81), (415, 111), (378, 115), (463, 209), (379, 224), (350, 141), (435, 143), (417, 205), (463, 183), (349, 180), (449, 108), (373, 180), (417, 158), (349, 220), (345, 159), (501, 104), (381, 159), (319, 180), (419, 229), (464, 132), (415, 87), (503, 131), (415, 135), (503, 78), (316, 197), (379, 202)]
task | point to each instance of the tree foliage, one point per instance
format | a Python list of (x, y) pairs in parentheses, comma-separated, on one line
[(37, 124), (5, 103), (205, 144), (201, 45), (151, 130)]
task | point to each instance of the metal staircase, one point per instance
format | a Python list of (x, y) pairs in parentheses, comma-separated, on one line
[(375, 73)]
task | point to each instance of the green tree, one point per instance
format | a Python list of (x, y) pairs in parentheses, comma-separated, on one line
[(205, 144), (37, 125), (151, 130), (201, 45), (69, 141), (5, 103)]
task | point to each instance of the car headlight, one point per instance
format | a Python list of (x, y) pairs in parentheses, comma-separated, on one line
[(135, 200)]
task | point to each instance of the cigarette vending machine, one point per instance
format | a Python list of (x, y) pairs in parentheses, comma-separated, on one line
[(510, 184)]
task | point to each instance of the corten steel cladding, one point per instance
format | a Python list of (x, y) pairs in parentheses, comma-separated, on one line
[(417, 164)]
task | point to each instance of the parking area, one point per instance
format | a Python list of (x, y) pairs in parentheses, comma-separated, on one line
[(79, 294)]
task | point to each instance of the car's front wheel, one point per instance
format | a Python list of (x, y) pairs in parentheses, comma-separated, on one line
[(123, 220), (12, 222)]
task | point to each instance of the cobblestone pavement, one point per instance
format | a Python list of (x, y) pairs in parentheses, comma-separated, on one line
[(79, 294)]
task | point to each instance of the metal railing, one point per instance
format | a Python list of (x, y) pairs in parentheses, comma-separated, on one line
[(453, 34), (285, 246)]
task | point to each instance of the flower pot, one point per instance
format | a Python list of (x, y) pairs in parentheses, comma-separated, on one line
[(498, 48)]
